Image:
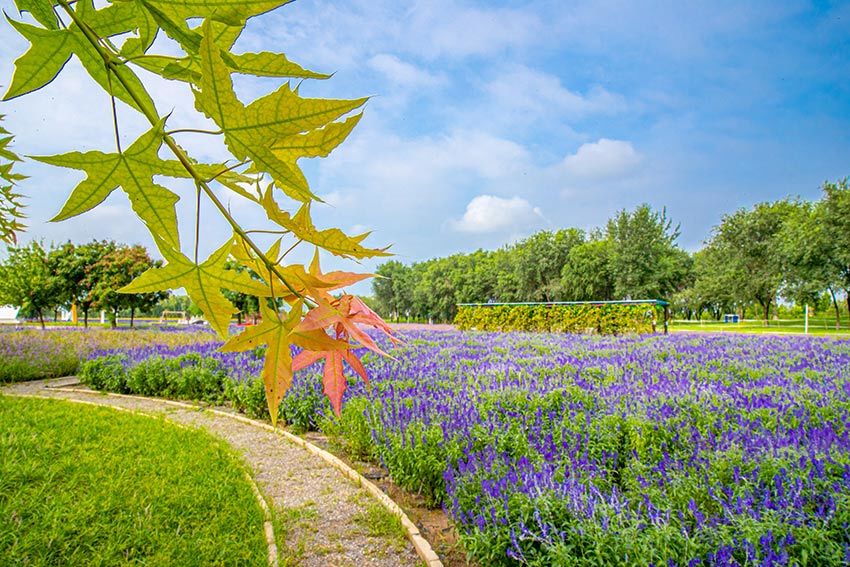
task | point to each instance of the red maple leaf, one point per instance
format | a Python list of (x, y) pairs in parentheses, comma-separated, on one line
[(333, 378)]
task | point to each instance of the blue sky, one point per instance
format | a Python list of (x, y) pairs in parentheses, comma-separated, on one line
[(490, 121)]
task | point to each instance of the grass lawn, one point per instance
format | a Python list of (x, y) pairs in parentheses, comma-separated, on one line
[(82, 485), (817, 326)]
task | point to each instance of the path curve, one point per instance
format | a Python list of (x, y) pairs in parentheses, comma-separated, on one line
[(323, 510)]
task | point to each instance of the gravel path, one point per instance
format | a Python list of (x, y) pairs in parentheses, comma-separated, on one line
[(326, 519)]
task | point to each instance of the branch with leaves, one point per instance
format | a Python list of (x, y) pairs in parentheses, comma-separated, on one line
[(10, 201), (266, 138)]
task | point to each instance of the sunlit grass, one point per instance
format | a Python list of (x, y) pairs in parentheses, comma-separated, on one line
[(817, 326), (81, 485)]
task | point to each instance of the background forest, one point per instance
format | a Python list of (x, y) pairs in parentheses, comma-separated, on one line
[(775, 255)]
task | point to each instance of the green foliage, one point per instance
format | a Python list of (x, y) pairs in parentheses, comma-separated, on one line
[(645, 262), (353, 430), (28, 280), (605, 319), (416, 459), (745, 254), (186, 377), (105, 373), (10, 201), (82, 486), (587, 275), (635, 256), (266, 137)]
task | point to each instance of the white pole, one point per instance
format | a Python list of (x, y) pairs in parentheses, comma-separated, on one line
[(806, 328)]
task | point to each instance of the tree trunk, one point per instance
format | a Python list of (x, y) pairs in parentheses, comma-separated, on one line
[(766, 309), (86, 317), (239, 318), (41, 319), (113, 319), (847, 297), (132, 316), (837, 309)]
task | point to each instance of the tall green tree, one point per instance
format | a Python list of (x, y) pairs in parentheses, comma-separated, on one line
[(646, 263), (587, 274), (73, 265), (28, 281), (809, 249), (388, 289), (834, 214), (538, 261), (246, 304), (748, 248), (115, 270)]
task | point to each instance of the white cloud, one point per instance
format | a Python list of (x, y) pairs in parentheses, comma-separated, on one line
[(488, 214), (521, 89), (447, 29), (402, 73), (602, 159)]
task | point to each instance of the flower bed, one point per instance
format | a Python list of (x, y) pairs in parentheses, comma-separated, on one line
[(27, 354), (579, 450), (571, 450)]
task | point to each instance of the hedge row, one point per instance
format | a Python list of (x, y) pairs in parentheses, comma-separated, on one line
[(606, 319)]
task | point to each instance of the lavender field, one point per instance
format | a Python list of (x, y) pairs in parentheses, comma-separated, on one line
[(29, 354), (572, 450), (577, 450)]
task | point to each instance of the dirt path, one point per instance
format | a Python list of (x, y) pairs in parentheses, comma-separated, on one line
[(325, 519)]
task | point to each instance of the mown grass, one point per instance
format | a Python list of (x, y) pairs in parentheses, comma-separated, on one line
[(81, 485), (817, 326)]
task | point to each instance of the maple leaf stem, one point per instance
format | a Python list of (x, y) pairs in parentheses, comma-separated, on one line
[(228, 170), (112, 63), (195, 131), (291, 248), (114, 114), (260, 231), (197, 219)]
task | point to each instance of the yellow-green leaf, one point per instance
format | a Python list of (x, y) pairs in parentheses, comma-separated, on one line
[(49, 52), (133, 171), (333, 240), (202, 282), (250, 131), (232, 12), (318, 143), (277, 365), (41, 10), (50, 49)]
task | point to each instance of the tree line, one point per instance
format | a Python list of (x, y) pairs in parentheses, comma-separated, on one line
[(789, 251), (41, 280)]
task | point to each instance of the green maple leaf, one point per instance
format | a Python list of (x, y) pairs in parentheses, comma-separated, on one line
[(278, 333), (233, 13), (202, 282), (41, 10), (250, 131), (333, 240), (51, 49), (133, 171)]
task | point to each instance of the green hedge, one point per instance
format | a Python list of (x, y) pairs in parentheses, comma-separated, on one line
[(606, 319)]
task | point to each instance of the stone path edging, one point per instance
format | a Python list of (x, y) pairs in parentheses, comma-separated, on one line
[(423, 548), (268, 527)]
